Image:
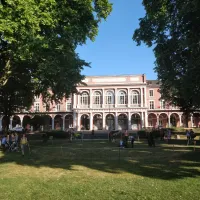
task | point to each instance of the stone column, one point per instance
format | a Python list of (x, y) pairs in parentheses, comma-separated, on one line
[(63, 123), (128, 98), (116, 121), (169, 121), (146, 120), (141, 95), (78, 122), (91, 121), (116, 98), (103, 121), (180, 120), (145, 97), (78, 100), (90, 98), (74, 100), (191, 120), (74, 120), (129, 121), (52, 125), (103, 98), (142, 119), (157, 120)]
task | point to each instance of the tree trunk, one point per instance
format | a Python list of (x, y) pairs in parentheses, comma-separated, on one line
[(186, 119), (7, 122)]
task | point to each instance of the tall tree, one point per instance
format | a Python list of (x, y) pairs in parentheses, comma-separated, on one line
[(172, 28), (38, 39)]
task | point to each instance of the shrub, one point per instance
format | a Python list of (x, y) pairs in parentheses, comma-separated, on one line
[(156, 133), (58, 134), (142, 134)]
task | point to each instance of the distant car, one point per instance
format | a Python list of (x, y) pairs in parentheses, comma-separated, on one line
[(18, 129)]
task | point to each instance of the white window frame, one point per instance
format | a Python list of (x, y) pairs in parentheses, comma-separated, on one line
[(150, 105), (151, 90), (37, 107), (68, 106), (135, 96), (109, 97), (97, 98), (122, 98), (37, 98), (58, 107), (46, 106), (162, 104), (84, 100)]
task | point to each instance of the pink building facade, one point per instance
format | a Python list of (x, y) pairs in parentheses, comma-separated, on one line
[(107, 103)]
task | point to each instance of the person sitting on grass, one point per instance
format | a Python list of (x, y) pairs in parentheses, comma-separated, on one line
[(23, 143), (4, 143)]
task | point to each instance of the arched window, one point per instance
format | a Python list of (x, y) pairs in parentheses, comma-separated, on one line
[(122, 98), (134, 98), (84, 98), (97, 98), (109, 97)]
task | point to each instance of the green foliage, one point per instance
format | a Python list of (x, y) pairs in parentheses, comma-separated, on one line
[(172, 28), (92, 170), (37, 45), (142, 134), (58, 134)]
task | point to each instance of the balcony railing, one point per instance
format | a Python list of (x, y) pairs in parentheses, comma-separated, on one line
[(84, 106), (122, 105), (109, 105), (135, 105), (97, 106)]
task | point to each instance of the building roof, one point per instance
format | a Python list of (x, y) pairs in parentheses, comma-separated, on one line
[(118, 75), (153, 83)]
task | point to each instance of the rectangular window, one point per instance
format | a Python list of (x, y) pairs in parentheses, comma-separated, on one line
[(160, 122), (37, 98), (69, 106), (108, 100), (96, 99), (162, 104), (151, 93), (151, 104), (47, 107), (37, 107), (58, 107)]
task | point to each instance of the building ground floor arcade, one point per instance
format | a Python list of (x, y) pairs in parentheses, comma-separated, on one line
[(102, 120)]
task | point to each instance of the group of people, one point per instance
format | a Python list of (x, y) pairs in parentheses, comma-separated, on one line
[(124, 138), (14, 142), (165, 134), (190, 135)]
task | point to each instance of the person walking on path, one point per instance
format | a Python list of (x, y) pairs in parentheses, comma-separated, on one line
[(126, 138), (23, 143)]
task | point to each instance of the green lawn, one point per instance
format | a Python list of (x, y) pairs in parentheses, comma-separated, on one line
[(98, 170)]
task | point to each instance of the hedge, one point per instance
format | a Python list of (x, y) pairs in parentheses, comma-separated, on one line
[(58, 134)]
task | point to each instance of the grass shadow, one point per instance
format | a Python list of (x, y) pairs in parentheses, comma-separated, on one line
[(159, 163)]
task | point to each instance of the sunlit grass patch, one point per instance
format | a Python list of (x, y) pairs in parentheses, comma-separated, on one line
[(93, 170)]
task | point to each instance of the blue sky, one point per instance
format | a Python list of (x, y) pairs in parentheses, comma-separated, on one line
[(114, 52)]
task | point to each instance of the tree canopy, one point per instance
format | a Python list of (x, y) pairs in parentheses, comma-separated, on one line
[(172, 28), (38, 39)]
